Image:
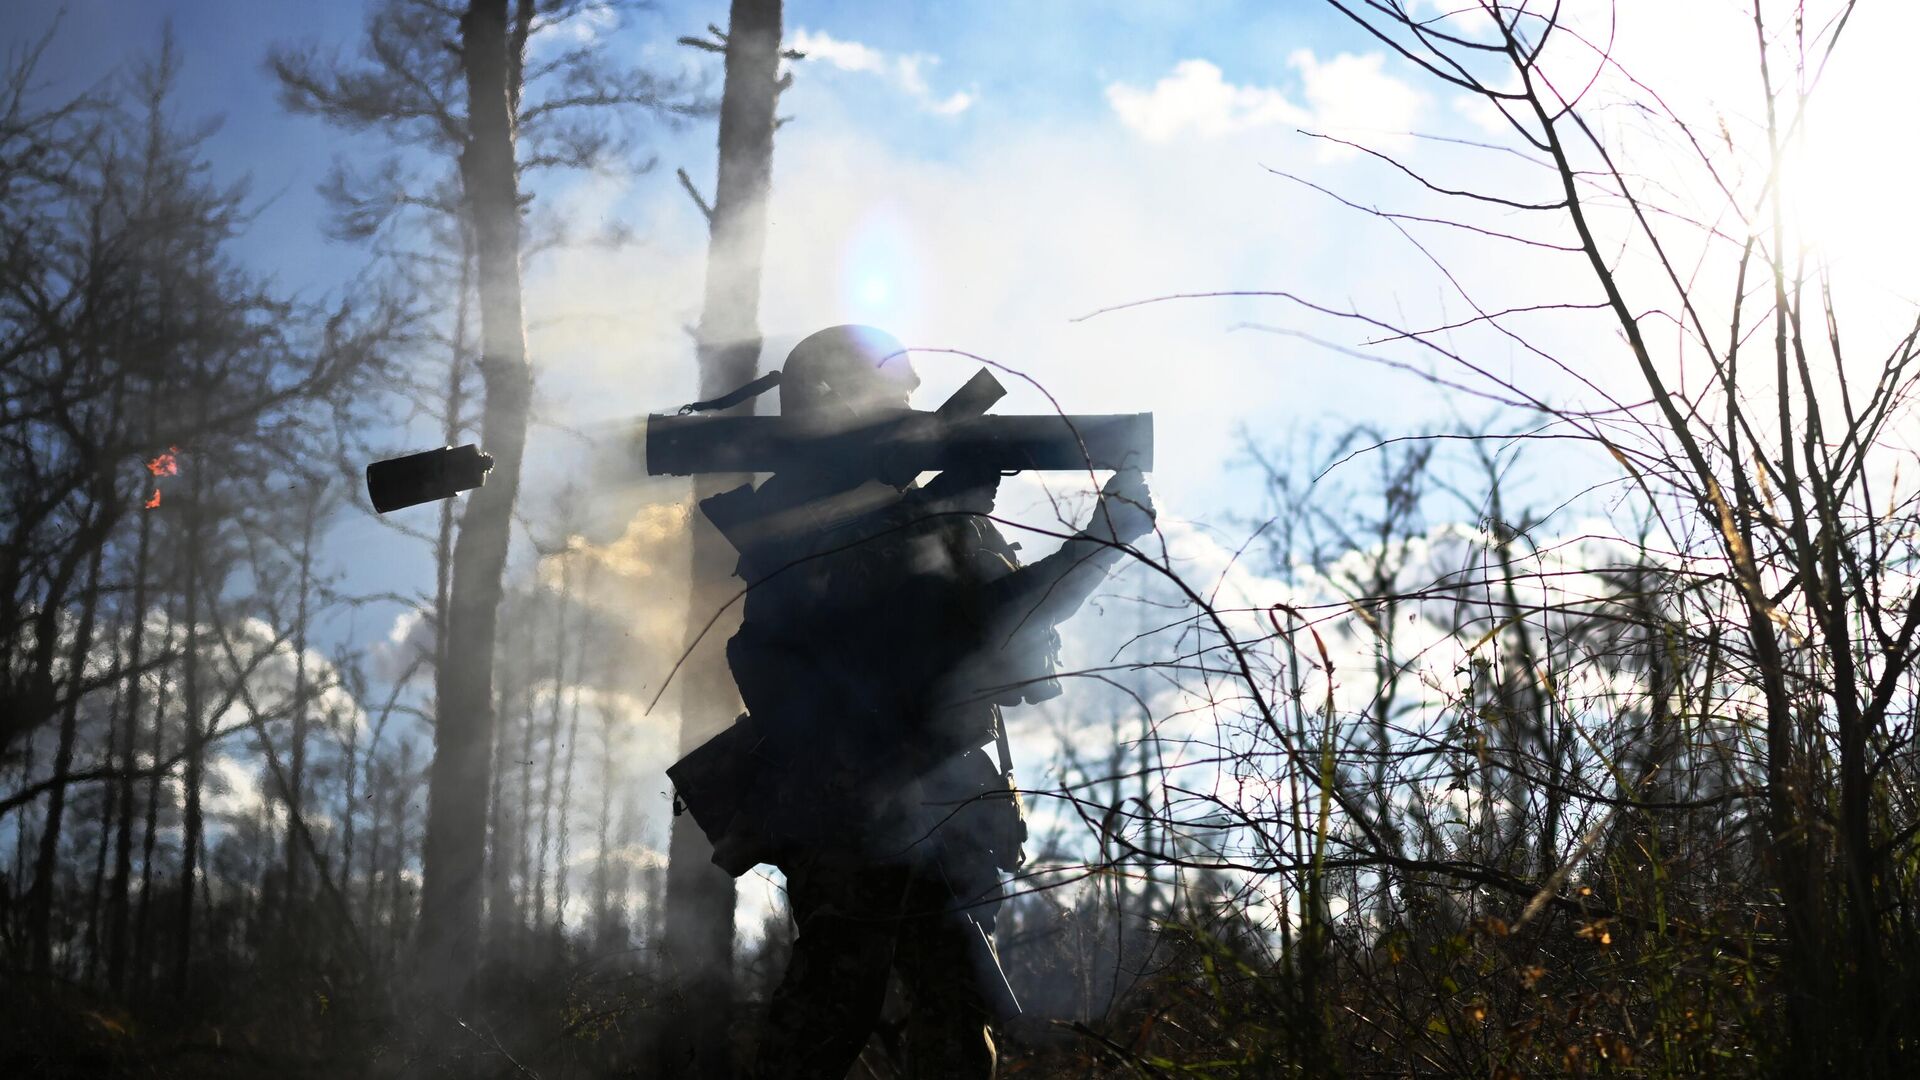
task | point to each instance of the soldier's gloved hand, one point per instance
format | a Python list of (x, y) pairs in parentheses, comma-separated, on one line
[(967, 490), (1126, 509)]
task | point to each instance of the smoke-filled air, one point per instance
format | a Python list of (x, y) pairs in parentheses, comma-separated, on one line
[(843, 540)]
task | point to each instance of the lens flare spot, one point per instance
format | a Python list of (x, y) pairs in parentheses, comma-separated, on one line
[(880, 271)]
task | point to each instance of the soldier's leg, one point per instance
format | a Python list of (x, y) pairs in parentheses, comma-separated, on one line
[(947, 1023), (836, 982), (948, 1033)]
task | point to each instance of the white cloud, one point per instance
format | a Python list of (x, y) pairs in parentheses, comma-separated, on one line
[(906, 72), (584, 25), (232, 791), (1344, 95), (409, 640), (1483, 113), (1352, 93), (1196, 99)]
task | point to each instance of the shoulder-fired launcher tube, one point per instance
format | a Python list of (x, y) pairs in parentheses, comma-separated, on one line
[(903, 442)]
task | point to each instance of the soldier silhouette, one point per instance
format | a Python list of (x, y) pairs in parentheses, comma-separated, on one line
[(886, 625)]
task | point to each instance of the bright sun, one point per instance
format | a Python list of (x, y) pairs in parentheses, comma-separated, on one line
[(1846, 198)]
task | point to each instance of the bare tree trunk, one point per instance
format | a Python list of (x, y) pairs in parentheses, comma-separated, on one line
[(377, 799), (117, 908), (553, 741), (109, 811), (602, 865), (456, 401), (700, 896), (397, 859), (345, 881), (297, 756), (566, 806), (523, 849), (41, 694), (500, 907), (40, 901), (454, 856), (652, 886), (143, 920), (190, 688), (20, 845)]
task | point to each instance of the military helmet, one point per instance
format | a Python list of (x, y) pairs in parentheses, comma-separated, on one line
[(858, 366)]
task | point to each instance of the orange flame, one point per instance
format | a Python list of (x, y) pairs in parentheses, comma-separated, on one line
[(167, 464)]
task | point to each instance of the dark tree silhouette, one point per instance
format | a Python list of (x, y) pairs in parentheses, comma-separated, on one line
[(700, 896), (497, 118)]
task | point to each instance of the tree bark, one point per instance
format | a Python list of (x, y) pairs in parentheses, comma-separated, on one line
[(560, 888), (143, 921), (602, 868), (40, 899), (117, 907), (454, 854), (196, 749), (109, 810), (553, 744), (344, 883), (297, 754), (397, 855), (523, 818), (378, 781), (700, 896), (502, 913)]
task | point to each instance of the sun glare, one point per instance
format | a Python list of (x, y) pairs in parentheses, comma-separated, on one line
[(879, 271), (1841, 197)]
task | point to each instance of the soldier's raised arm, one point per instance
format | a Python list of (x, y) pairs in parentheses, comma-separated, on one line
[(1052, 589)]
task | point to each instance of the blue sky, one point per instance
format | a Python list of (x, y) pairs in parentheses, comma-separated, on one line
[(972, 176), (1017, 62)]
